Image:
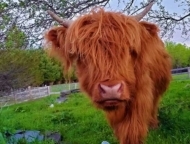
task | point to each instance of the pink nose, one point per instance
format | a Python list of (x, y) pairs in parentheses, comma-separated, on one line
[(111, 92)]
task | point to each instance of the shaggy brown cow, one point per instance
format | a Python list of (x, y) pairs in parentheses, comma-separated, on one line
[(121, 64)]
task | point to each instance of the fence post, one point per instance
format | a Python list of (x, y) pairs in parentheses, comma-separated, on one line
[(14, 95), (69, 86), (39, 93), (75, 85), (48, 89), (29, 91), (188, 71)]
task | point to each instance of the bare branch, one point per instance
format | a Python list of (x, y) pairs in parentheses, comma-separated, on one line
[(170, 18)]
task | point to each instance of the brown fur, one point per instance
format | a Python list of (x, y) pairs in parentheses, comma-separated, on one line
[(110, 47)]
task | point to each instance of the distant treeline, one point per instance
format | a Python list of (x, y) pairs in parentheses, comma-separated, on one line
[(179, 53)]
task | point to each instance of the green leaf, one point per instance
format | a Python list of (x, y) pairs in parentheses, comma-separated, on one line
[(2, 140)]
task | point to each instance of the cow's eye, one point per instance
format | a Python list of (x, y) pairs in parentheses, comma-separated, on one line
[(133, 52)]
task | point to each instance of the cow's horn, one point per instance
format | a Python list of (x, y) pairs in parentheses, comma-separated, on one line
[(139, 16), (65, 23)]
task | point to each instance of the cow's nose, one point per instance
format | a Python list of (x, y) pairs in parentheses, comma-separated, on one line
[(111, 92)]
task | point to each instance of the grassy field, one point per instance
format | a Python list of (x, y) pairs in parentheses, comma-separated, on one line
[(80, 123), (181, 76), (61, 87)]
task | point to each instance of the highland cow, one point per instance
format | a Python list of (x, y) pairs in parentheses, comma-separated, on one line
[(121, 64)]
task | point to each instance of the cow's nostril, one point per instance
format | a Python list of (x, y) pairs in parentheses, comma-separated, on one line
[(101, 89), (111, 92)]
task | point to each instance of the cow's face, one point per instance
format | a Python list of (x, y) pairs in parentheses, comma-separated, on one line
[(105, 55), (107, 75)]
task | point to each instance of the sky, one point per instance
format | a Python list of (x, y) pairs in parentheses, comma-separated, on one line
[(170, 6)]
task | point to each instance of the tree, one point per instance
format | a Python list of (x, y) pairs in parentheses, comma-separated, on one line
[(180, 54), (15, 39), (31, 17), (50, 68), (18, 69)]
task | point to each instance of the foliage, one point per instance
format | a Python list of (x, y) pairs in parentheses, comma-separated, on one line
[(53, 71), (21, 68), (15, 39), (180, 54), (80, 122), (18, 69), (50, 68), (31, 18)]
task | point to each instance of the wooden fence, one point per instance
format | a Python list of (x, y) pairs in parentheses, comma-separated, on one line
[(25, 95), (181, 73), (34, 93)]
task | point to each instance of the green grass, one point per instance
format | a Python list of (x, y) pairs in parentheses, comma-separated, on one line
[(80, 123), (174, 116), (76, 119), (61, 87), (181, 76)]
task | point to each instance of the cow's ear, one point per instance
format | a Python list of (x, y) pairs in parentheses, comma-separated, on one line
[(55, 45), (151, 28), (55, 36)]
